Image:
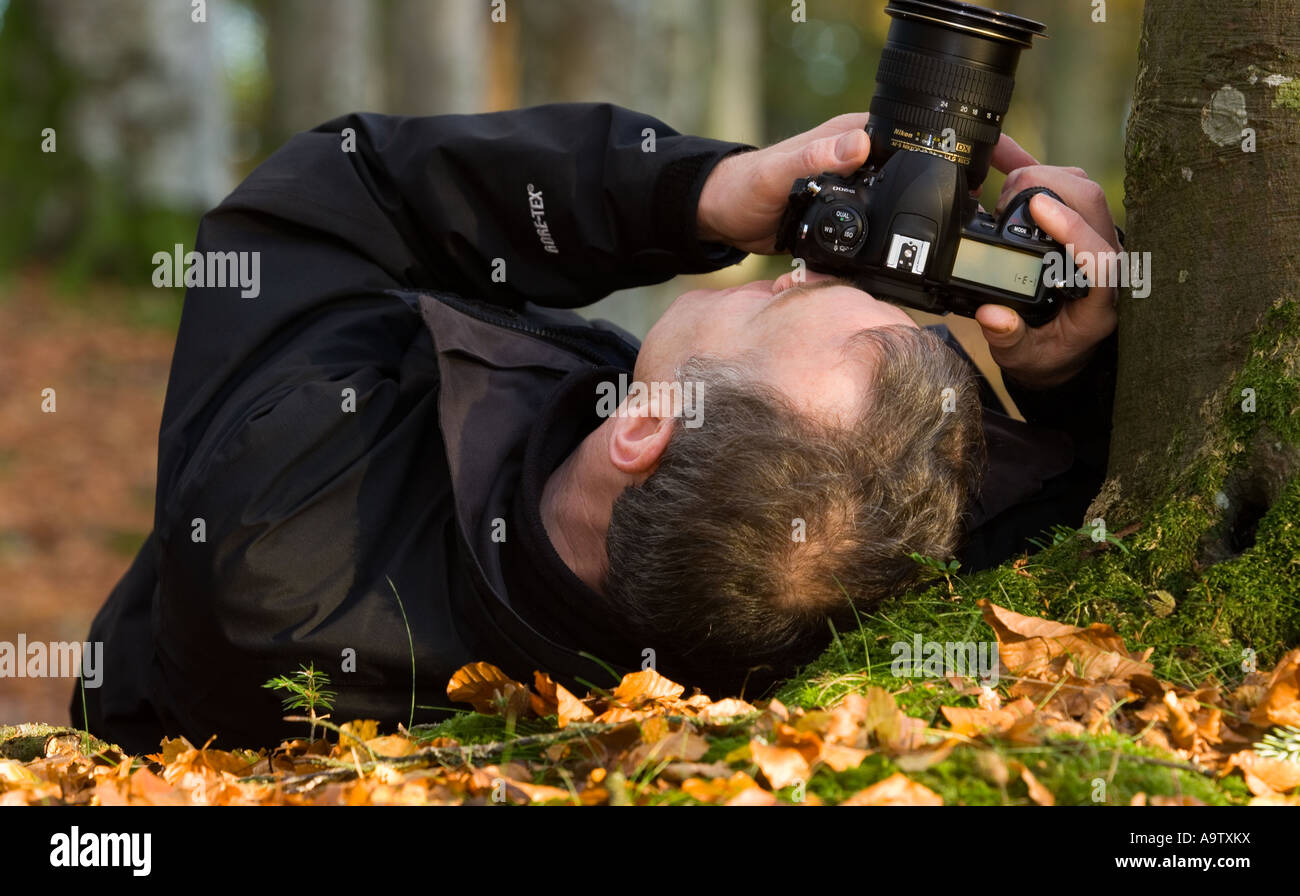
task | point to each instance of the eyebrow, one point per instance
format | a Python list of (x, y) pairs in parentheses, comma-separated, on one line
[(802, 289)]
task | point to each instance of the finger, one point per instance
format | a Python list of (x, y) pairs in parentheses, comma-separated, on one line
[(1008, 155), (849, 121), (1004, 330), (1022, 178), (841, 154), (1093, 316), (1084, 195)]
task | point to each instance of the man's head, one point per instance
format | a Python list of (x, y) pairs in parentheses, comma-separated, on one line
[(828, 450)]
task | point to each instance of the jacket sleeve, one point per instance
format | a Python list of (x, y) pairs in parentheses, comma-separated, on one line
[(558, 204), (344, 222), (296, 438)]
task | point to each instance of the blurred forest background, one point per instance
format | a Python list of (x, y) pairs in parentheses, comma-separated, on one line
[(156, 117)]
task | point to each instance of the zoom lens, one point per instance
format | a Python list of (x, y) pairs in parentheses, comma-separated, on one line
[(944, 81)]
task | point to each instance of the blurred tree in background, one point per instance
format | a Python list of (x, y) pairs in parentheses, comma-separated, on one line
[(157, 115)]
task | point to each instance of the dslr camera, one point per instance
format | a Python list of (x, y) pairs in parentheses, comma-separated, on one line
[(905, 226)]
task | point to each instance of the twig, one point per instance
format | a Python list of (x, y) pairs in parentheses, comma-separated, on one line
[(450, 757)]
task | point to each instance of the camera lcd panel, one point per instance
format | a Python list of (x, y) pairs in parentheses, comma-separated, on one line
[(998, 267)]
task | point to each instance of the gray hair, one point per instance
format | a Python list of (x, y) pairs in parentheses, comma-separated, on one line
[(763, 523)]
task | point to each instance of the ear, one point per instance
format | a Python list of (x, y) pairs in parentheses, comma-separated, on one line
[(638, 442)]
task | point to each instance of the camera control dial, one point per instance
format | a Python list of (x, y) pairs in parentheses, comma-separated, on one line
[(840, 229)]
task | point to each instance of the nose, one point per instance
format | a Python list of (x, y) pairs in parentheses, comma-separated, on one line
[(798, 277)]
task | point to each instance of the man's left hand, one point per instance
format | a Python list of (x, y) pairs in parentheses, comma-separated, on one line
[(1046, 356)]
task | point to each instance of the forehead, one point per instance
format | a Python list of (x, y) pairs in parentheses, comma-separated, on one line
[(838, 290)]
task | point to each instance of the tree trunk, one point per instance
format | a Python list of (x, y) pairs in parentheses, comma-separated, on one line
[(605, 60), (1209, 389), (323, 62), (436, 53)]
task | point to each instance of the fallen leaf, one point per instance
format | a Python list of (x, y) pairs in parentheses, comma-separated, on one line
[(1281, 702), (711, 791), (357, 732), (487, 688), (645, 685), (841, 758), (392, 746), (1264, 775), (725, 711), (896, 790), (781, 766), (553, 697), (1039, 648), (754, 796), (1037, 792)]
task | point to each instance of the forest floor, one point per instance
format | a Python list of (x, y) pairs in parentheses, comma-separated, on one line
[(76, 484), (1127, 672)]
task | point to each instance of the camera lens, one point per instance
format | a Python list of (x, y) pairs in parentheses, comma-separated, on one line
[(944, 81)]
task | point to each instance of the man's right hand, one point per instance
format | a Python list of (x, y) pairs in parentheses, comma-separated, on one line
[(746, 193)]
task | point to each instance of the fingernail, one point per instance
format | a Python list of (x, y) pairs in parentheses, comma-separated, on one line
[(846, 148), (1050, 207)]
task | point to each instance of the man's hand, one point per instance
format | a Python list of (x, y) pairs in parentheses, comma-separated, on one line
[(1053, 353), (745, 194)]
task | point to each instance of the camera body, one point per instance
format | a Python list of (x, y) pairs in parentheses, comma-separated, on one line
[(905, 227), (910, 232)]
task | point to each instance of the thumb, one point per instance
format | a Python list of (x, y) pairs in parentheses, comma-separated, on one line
[(840, 153), (1003, 328)]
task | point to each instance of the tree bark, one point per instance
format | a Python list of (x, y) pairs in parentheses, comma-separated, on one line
[(436, 55), (1220, 223), (323, 60)]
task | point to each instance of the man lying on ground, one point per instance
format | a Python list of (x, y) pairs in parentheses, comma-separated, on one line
[(403, 451)]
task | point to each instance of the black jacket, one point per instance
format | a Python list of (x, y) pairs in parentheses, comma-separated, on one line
[(340, 455)]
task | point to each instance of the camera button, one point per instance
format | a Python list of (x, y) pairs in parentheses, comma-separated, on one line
[(1021, 231)]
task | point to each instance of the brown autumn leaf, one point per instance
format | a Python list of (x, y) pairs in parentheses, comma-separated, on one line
[(487, 689), (392, 746), (1281, 702), (1182, 731), (845, 723), (677, 772), (1037, 792), (683, 744), (1031, 647), (840, 758), (893, 730), (147, 788), (639, 687), (718, 789), (643, 694), (1264, 775), (357, 732), (780, 765), (553, 697), (896, 790), (1017, 721), (807, 743), (754, 796), (725, 711), (536, 793)]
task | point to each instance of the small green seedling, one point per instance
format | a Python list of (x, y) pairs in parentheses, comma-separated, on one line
[(307, 689)]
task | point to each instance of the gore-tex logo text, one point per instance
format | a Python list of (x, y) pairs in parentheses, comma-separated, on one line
[(538, 208)]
